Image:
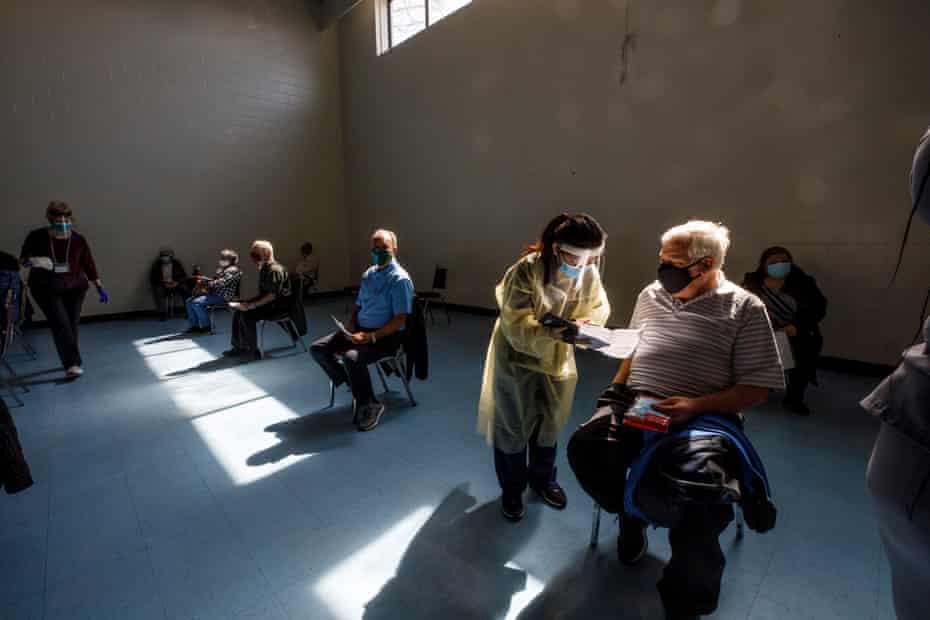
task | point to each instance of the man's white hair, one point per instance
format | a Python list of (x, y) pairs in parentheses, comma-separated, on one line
[(386, 234), (266, 249), (704, 239)]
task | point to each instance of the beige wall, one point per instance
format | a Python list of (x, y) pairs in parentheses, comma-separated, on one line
[(793, 122), (193, 124)]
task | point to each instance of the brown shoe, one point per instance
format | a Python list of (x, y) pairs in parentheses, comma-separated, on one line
[(554, 495)]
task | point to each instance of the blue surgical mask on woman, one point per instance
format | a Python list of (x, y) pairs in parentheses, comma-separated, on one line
[(570, 271), (61, 228), (779, 271)]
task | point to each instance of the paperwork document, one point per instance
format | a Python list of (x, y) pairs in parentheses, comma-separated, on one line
[(784, 350), (617, 343), (341, 327)]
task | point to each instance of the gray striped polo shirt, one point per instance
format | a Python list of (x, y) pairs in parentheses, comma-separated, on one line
[(708, 344)]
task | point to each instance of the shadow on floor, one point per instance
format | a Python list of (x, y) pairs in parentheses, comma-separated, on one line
[(327, 429), (595, 585), (455, 567), (32, 379)]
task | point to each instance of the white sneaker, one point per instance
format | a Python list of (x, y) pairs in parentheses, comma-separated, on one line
[(74, 372)]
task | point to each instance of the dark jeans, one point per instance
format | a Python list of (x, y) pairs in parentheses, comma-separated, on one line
[(514, 473), (600, 454), (356, 358), (63, 311), (244, 325)]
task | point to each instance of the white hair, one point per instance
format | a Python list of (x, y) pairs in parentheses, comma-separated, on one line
[(386, 234), (266, 249), (704, 239)]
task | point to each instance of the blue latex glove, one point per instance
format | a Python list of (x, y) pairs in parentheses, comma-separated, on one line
[(104, 298)]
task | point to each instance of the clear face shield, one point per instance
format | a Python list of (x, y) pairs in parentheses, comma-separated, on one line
[(576, 263)]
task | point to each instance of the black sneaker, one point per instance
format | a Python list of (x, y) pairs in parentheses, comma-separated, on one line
[(512, 507), (797, 406), (370, 416), (553, 494), (632, 542), (192, 331), (234, 352)]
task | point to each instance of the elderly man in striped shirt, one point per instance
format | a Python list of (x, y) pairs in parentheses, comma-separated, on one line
[(707, 347)]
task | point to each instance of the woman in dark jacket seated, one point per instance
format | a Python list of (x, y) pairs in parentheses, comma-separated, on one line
[(796, 306)]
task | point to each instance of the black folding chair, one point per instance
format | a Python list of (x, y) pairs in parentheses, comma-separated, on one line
[(397, 363), (436, 295), (12, 382), (285, 319), (212, 308)]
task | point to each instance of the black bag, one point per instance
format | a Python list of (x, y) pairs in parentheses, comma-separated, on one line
[(687, 471)]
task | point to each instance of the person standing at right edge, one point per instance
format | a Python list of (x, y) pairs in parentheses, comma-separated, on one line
[(530, 376), (61, 264), (899, 471)]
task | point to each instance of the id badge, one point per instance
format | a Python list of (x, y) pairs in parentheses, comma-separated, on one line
[(62, 268)]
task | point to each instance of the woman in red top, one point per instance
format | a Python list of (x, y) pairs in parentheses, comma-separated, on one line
[(60, 266)]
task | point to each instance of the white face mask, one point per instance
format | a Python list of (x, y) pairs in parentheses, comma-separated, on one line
[(224, 264)]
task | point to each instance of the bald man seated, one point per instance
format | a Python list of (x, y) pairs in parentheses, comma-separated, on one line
[(385, 299)]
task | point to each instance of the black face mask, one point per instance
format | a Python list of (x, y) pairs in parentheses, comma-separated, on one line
[(675, 279)]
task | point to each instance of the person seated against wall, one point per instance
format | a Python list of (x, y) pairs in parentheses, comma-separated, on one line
[(273, 300), (308, 268), (706, 348), (223, 287), (385, 300), (167, 277), (796, 306)]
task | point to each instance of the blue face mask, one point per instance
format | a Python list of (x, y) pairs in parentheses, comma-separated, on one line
[(570, 270), (61, 228), (779, 271)]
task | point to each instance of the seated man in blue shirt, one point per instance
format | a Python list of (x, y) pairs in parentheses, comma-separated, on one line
[(385, 299)]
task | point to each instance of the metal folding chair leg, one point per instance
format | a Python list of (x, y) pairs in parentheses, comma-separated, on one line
[(739, 523), (28, 348), (595, 525), (381, 376), (402, 371)]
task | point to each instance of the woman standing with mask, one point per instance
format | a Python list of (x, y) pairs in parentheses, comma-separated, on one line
[(61, 265), (796, 306), (530, 375)]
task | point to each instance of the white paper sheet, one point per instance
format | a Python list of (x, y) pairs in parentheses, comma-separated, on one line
[(784, 350), (616, 343), (341, 327)]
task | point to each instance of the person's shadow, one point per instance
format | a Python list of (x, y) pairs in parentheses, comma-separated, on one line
[(456, 565), (328, 429), (596, 585)]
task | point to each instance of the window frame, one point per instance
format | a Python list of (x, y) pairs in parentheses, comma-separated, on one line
[(384, 27)]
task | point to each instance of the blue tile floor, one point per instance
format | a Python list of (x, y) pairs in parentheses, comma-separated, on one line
[(173, 485)]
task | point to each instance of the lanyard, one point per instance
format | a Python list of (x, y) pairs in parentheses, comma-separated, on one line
[(51, 245)]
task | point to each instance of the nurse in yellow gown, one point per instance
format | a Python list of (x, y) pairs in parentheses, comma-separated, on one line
[(529, 377)]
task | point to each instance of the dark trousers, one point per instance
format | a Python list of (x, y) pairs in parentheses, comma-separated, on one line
[(600, 453), (355, 361), (244, 326), (161, 293), (514, 472), (63, 311), (797, 380)]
